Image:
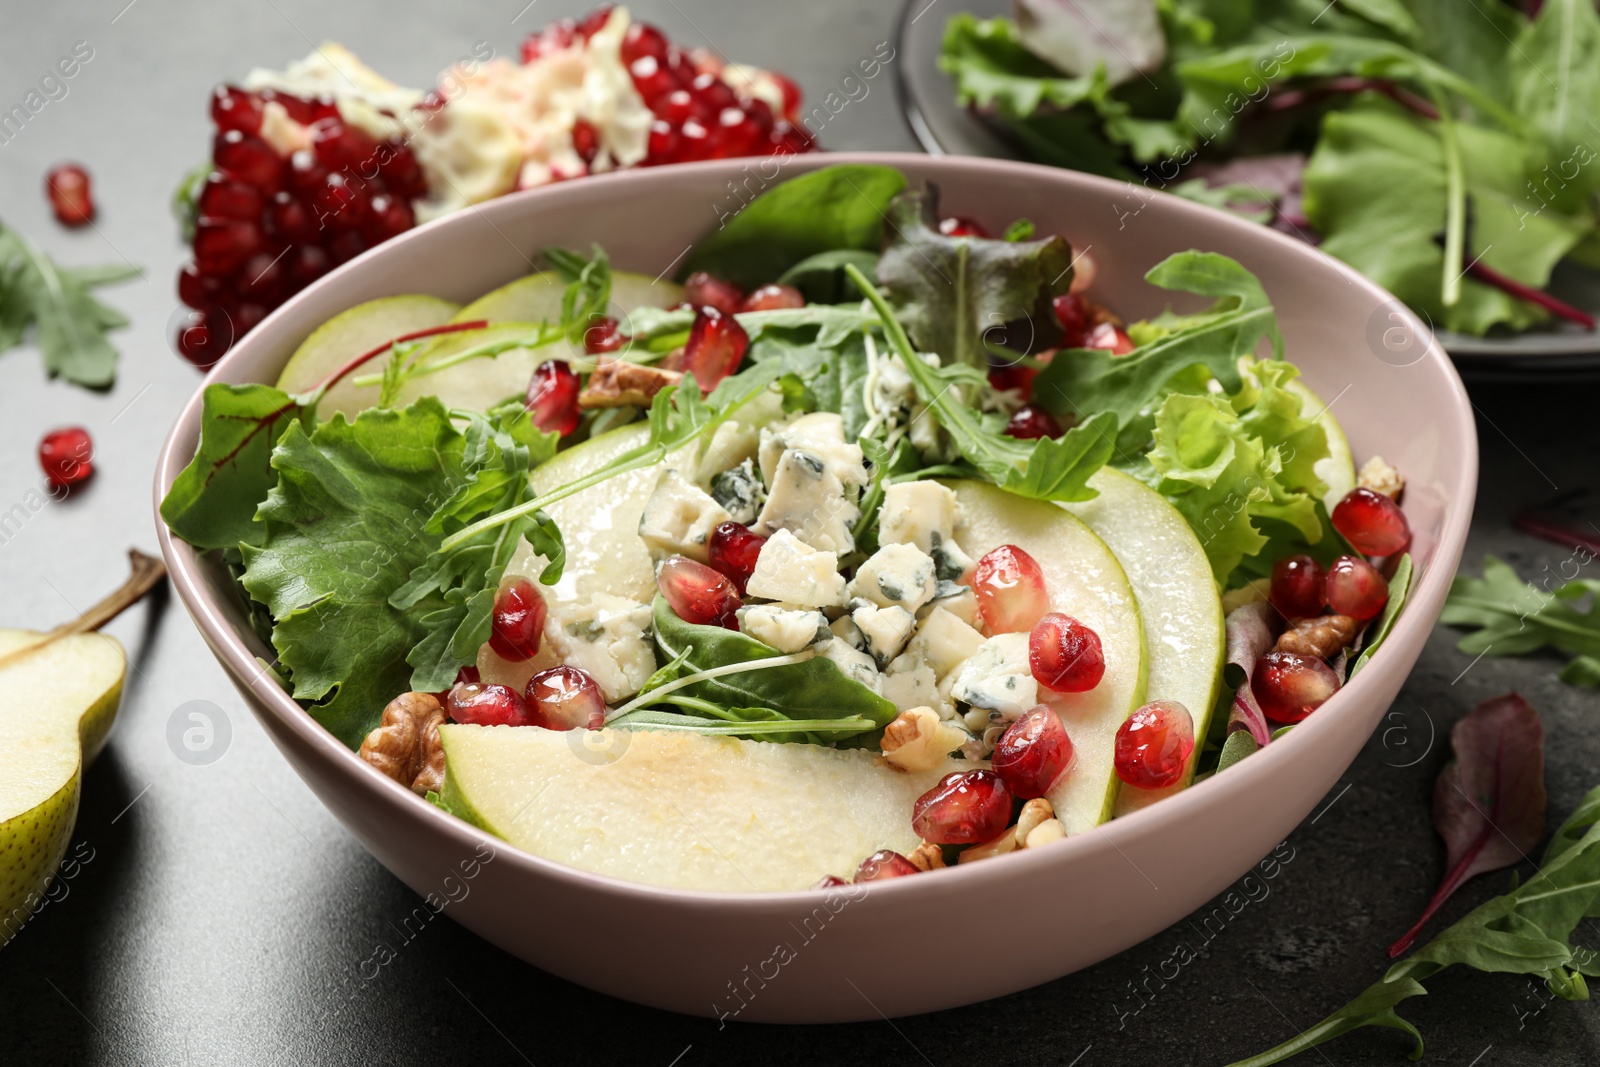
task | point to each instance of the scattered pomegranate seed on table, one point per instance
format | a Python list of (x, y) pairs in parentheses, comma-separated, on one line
[(1153, 745), (565, 698), (883, 865), (67, 457), (697, 594), (1033, 753), (71, 197), (1355, 588), (1371, 522), (478, 704), (1065, 655), (1289, 686), (734, 550), (1297, 587), (517, 621), (716, 345), (1032, 421), (1009, 587), (965, 808), (552, 398)]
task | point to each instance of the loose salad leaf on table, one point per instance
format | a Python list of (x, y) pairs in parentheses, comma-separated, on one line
[(1446, 155), (1512, 618)]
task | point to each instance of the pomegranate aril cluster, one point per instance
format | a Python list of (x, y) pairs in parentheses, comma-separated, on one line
[(268, 224)]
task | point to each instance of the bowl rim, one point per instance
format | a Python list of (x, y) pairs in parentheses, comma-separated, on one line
[(1422, 607)]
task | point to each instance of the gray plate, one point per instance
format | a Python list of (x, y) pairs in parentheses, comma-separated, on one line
[(943, 128)]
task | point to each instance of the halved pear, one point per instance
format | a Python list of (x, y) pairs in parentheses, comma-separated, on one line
[(681, 810), (1084, 580), (56, 708), (352, 332), (1178, 602)]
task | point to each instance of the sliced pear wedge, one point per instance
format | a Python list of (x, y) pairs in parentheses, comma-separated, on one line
[(58, 706), (352, 332), (1084, 580), (681, 810), (1178, 602)]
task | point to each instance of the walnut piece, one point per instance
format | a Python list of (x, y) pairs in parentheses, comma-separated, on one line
[(1320, 637), (1381, 478), (1046, 833), (918, 740), (617, 383), (999, 846), (405, 745), (1034, 812), (1036, 825), (927, 857)]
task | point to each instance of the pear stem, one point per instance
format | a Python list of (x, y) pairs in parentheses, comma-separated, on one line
[(145, 572)]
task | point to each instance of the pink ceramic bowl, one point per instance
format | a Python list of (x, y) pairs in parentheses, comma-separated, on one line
[(783, 957)]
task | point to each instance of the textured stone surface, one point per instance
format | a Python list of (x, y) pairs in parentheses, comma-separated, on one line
[(218, 914)]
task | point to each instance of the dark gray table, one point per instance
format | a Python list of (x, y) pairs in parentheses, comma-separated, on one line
[(225, 915)]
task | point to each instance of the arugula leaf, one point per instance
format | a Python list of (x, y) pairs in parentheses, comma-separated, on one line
[(346, 527), (588, 292), (828, 209), (1526, 931), (1095, 380), (1488, 803), (958, 296), (1513, 619), (1044, 469), (69, 324), (811, 689), (213, 501)]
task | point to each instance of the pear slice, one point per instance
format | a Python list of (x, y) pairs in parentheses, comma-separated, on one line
[(682, 810), (352, 332), (1178, 601), (1338, 467), (58, 706), (1084, 580)]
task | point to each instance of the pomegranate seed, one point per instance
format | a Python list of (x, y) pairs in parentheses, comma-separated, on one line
[(205, 337), (773, 298), (604, 336), (1289, 686), (697, 594), (67, 186), (306, 175), (663, 144), (234, 109), (387, 217), (247, 317), (643, 39), (518, 621), (595, 21), (261, 278), (734, 550), (1033, 753), (288, 219), (735, 134), (789, 139), (674, 107), (1355, 588), (223, 198), (883, 865), (468, 673), (1032, 421), (716, 345), (1010, 590), (402, 173), (830, 881), (346, 246), (1372, 522), (713, 91), (304, 110), (694, 141), (1153, 744), (197, 290), (341, 147), (222, 245), (307, 263), (250, 159), (565, 698), (1297, 587), (1065, 654), (957, 226), (67, 456), (965, 808), (585, 140), (651, 78), (1110, 338), (702, 290), (791, 96), (342, 205), (1013, 376), (480, 704), (553, 397)]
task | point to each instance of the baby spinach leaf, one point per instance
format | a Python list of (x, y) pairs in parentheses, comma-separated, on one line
[(1238, 745), (957, 296), (1488, 803), (839, 207), (811, 689), (213, 501)]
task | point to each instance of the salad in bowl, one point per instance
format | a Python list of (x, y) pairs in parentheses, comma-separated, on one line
[(879, 544)]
